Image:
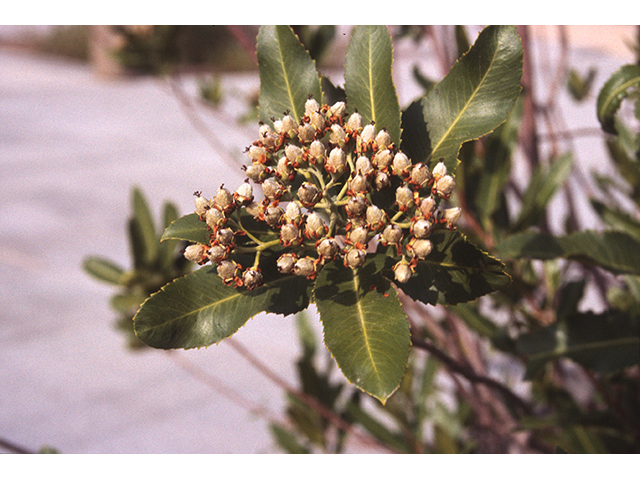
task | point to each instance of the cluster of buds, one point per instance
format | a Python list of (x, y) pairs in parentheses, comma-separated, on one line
[(325, 181)]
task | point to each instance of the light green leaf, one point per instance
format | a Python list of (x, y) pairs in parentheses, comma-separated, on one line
[(365, 328), (476, 96), (612, 94), (189, 228), (455, 271), (368, 79), (603, 342), (103, 270), (288, 75), (145, 227), (198, 309), (612, 250)]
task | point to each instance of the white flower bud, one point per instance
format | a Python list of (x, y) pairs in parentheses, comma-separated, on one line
[(252, 278), (256, 172), (383, 139), (368, 134), (286, 262), (363, 165), (317, 150), (404, 198), (317, 121), (421, 228), (273, 216), (337, 161), (289, 125), (381, 181), (290, 235), (392, 235), (375, 218), (272, 189), (268, 137), (356, 206), (452, 215), (292, 213), (255, 152), (428, 206), (445, 185), (224, 236), (309, 194), (440, 170), (305, 267), (420, 175), (355, 258), (311, 107), (419, 247), (315, 226), (253, 209), (306, 133), (215, 218), (224, 200), (338, 109), (217, 253), (285, 171), (243, 194), (328, 248), (359, 236), (402, 271), (202, 204), (383, 158), (337, 134), (293, 153), (355, 122), (195, 253), (228, 271), (401, 164)]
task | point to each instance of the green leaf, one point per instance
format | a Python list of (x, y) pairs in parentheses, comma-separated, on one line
[(476, 96), (287, 74), (612, 250), (189, 228), (617, 219), (544, 183), (103, 270), (198, 309), (369, 81), (602, 342), (415, 140), (612, 94), (365, 328), (145, 227), (455, 271), (287, 440)]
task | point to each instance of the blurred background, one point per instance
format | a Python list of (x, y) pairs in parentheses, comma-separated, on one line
[(103, 123)]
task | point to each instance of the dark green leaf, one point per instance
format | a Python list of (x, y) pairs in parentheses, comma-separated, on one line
[(455, 271), (611, 250), (287, 440), (288, 75), (145, 227), (544, 183), (198, 309), (189, 228), (365, 328), (415, 139), (618, 219), (476, 96), (612, 94), (603, 342), (368, 79), (103, 270)]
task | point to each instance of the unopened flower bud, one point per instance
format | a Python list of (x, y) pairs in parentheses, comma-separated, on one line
[(252, 278), (368, 134), (401, 164), (256, 172), (225, 236), (290, 235), (363, 165), (255, 153), (195, 253), (306, 133), (440, 170), (420, 175), (224, 200), (359, 236), (228, 271), (445, 185), (317, 121), (311, 107), (292, 213), (253, 209), (337, 134), (293, 153), (421, 228), (428, 206), (317, 150), (273, 216), (243, 194), (356, 206), (355, 258), (383, 158), (452, 215), (355, 122), (305, 267), (381, 181), (338, 109), (315, 226), (375, 218), (359, 184), (404, 198), (328, 248), (286, 262), (383, 139), (337, 161), (268, 137), (419, 247), (217, 253), (392, 235), (272, 189), (202, 204), (285, 171), (309, 194), (215, 218), (402, 271), (289, 125)]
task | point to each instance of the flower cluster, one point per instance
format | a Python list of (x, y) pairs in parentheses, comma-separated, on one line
[(332, 189)]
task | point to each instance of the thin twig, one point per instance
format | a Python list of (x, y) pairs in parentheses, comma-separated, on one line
[(12, 447)]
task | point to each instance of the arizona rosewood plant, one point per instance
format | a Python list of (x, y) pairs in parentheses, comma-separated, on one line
[(348, 200)]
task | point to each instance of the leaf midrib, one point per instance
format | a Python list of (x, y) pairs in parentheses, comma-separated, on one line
[(356, 286), (286, 78)]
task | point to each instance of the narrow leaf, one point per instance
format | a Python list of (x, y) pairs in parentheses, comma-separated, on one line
[(603, 342), (612, 250), (477, 94), (198, 309), (612, 94), (365, 328), (369, 81), (455, 271), (145, 227), (103, 270), (288, 75)]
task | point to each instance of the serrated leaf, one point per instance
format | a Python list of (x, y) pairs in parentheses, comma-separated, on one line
[(544, 183), (198, 309), (455, 271), (612, 250), (288, 74), (415, 140), (103, 270), (368, 78), (364, 326), (477, 94), (189, 228), (603, 342), (612, 94)]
